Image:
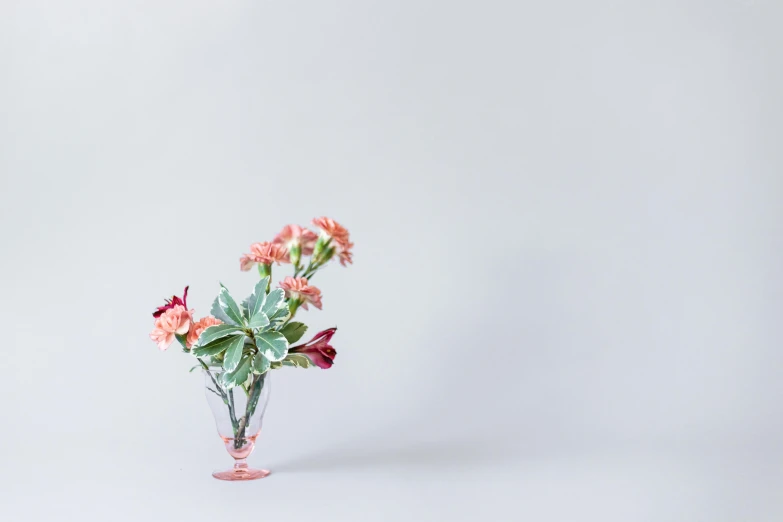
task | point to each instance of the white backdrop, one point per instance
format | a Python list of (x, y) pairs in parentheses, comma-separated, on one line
[(566, 294)]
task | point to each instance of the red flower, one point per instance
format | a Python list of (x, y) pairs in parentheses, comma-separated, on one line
[(318, 349), (171, 303)]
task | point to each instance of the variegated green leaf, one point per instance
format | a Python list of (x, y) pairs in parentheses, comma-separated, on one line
[(218, 312), (280, 317), (260, 363), (217, 347), (298, 360), (249, 379), (213, 333), (272, 345), (256, 300), (275, 301), (274, 365), (293, 331), (234, 354), (259, 320), (230, 307), (239, 375)]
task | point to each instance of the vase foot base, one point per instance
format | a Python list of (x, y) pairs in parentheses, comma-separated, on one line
[(241, 474)]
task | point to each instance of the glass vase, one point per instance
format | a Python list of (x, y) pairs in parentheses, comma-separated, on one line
[(238, 413)]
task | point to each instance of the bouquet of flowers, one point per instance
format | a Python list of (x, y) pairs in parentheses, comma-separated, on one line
[(239, 343)]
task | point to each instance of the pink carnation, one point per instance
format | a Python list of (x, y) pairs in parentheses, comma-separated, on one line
[(246, 262), (341, 239), (294, 235), (161, 337), (198, 327), (174, 321), (344, 253), (297, 288), (265, 253), (331, 228)]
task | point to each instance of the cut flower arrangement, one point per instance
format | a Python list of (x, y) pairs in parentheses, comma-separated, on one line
[(239, 343)]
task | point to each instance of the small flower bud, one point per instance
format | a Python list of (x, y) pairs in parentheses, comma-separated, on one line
[(295, 253), (264, 270)]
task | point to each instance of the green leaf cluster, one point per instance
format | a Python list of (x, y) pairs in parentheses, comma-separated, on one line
[(254, 336)]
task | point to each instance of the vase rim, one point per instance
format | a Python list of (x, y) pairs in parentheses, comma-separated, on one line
[(218, 368)]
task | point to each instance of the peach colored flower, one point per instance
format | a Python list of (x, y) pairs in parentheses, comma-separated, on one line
[(293, 235), (341, 239), (198, 327), (176, 320), (173, 321), (298, 288), (246, 262), (265, 253), (331, 228), (268, 253), (162, 337), (344, 253)]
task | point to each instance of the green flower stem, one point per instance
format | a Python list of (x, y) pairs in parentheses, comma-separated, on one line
[(239, 436), (312, 269), (306, 270), (293, 306), (266, 271), (217, 386), (232, 413), (252, 402), (228, 400), (317, 260), (257, 386)]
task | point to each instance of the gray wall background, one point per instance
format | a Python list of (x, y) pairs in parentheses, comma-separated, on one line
[(567, 293)]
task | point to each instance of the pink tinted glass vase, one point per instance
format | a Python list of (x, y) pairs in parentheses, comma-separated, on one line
[(238, 413)]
